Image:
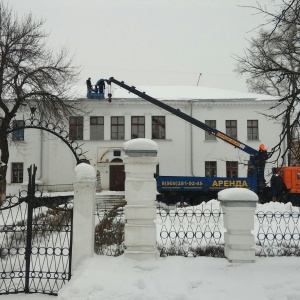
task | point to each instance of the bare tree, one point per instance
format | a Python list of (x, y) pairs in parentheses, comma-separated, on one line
[(30, 75), (272, 64)]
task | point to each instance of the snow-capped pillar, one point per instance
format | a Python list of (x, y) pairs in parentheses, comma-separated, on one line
[(140, 193), (238, 206), (84, 213)]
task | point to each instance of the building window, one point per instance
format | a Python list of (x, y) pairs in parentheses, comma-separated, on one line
[(231, 128), (252, 129), (76, 128), (158, 127), (212, 124), (18, 135), (137, 127), (211, 168), (96, 128), (231, 169), (117, 128), (117, 152), (17, 172)]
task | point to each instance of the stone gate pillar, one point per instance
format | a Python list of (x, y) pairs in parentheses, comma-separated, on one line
[(140, 193), (238, 206), (84, 213)]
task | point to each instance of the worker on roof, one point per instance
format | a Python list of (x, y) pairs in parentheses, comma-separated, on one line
[(89, 85), (100, 86)]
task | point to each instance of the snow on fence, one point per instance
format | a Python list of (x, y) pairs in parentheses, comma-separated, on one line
[(277, 230), (190, 231), (199, 230)]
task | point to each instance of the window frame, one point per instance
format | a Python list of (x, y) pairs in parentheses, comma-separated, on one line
[(158, 127), (139, 126), (231, 128), (18, 168), (18, 135), (210, 137), (210, 168), (97, 129), (251, 128), (76, 129), (232, 167), (120, 135)]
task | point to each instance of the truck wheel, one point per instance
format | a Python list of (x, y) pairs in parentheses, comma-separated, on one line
[(294, 199)]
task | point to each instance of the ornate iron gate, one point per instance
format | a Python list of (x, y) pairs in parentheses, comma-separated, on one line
[(35, 241)]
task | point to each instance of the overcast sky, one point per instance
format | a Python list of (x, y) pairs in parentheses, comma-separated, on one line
[(151, 42)]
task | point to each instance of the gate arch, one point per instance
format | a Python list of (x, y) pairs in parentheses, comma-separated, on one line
[(57, 130)]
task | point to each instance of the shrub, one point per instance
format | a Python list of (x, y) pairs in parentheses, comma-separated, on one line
[(109, 233)]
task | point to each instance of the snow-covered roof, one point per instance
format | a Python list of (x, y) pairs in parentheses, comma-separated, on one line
[(190, 93), (183, 93)]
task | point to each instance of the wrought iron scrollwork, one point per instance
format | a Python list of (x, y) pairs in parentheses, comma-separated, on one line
[(278, 233), (55, 128), (35, 242)]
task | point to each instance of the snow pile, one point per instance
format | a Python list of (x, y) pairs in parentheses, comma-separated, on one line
[(276, 207), (183, 278), (85, 173), (237, 194), (140, 144)]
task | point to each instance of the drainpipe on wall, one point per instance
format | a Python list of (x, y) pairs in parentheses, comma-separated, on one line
[(191, 136)]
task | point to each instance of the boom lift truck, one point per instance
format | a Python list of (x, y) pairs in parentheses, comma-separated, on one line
[(256, 164)]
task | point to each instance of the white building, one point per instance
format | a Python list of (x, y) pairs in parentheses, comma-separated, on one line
[(183, 148)]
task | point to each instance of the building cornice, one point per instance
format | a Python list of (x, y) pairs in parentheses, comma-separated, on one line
[(200, 102)]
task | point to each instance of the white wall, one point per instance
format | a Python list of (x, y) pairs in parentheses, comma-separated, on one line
[(183, 152)]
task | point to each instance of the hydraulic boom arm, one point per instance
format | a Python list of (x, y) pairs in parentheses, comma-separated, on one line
[(186, 117)]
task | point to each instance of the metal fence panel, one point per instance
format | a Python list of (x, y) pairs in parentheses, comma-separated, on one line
[(35, 241), (190, 231), (278, 233), (109, 229)]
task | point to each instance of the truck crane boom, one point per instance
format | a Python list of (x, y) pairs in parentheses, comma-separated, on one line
[(256, 163), (234, 142)]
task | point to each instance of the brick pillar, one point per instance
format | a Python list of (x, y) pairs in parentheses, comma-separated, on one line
[(238, 206), (140, 194)]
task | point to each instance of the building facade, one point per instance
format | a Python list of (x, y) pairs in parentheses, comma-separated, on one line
[(183, 149)]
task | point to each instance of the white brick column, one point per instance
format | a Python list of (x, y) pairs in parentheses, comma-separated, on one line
[(84, 213), (238, 206), (140, 193)]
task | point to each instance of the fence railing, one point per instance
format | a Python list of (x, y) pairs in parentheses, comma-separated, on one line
[(199, 231), (109, 229), (35, 244), (190, 231), (278, 233)]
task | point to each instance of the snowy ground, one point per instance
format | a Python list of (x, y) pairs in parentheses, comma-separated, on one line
[(180, 278)]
